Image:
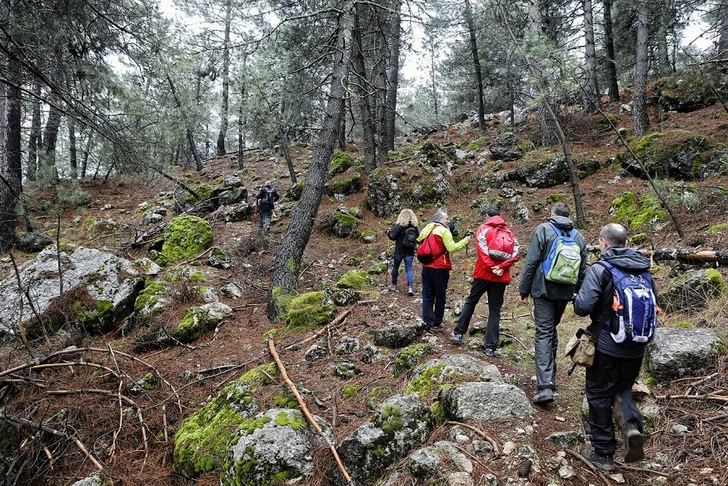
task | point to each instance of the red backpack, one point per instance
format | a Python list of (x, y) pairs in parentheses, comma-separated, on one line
[(429, 250), (501, 243)]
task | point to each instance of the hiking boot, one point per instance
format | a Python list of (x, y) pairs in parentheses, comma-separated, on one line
[(605, 463), (456, 338), (489, 353), (543, 396), (410, 291), (633, 445), (392, 288)]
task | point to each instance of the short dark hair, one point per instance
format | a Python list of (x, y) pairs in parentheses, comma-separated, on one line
[(615, 235), (560, 209), (492, 211)]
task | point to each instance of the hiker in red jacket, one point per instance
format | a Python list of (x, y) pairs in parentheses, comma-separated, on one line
[(497, 249)]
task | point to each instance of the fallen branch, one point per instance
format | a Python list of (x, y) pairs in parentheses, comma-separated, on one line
[(641, 469), (304, 409), (591, 466), (496, 449), (717, 398), (690, 256), (320, 332), (517, 340)]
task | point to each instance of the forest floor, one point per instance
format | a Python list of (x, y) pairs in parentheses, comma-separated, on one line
[(199, 371)]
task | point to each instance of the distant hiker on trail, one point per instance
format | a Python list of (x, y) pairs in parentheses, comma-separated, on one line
[(553, 272), (265, 201), (497, 251), (622, 277), (436, 244), (404, 233)]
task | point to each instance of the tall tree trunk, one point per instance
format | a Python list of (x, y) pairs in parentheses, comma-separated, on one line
[(188, 129), (390, 110), (241, 125), (34, 141), (591, 99), (360, 81), (11, 185), (88, 147), (609, 45), (287, 262), (476, 64), (663, 51), (342, 127), (283, 130), (380, 68), (47, 166), (433, 81), (721, 12), (641, 119), (225, 79), (3, 118), (72, 149), (548, 129)]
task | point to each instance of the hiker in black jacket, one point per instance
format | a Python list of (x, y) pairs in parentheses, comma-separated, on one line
[(404, 233), (265, 201), (616, 365)]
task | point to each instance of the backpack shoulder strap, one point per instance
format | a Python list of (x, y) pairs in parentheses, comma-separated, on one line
[(556, 229)]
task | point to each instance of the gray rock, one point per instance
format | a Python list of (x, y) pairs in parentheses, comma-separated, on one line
[(676, 352), (315, 353), (383, 195), (570, 439), (93, 480), (154, 215), (283, 446), (566, 472), (522, 213), (219, 258), (552, 171), (400, 423), (347, 345), (692, 290), (396, 335), (483, 401), (111, 283), (234, 212), (454, 366), (490, 480), (372, 354), (440, 458), (506, 147), (33, 242), (345, 371), (342, 297), (678, 430), (231, 291)]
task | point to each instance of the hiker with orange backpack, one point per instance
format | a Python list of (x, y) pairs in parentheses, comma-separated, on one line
[(497, 250), (436, 243)]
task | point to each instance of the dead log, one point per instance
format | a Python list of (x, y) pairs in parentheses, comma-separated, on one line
[(689, 256)]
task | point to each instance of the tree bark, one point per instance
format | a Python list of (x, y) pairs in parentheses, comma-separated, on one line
[(721, 12), (663, 51), (476, 64), (287, 262), (283, 130), (241, 124), (535, 26), (188, 130), (390, 110), (380, 68), (433, 80), (11, 185), (34, 141), (641, 119), (50, 137), (72, 149), (3, 118), (86, 152), (591, 99), (360, 81), (609, 45), (225, 80)]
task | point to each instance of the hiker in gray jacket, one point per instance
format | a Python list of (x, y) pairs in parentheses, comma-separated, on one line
[(549, 296)]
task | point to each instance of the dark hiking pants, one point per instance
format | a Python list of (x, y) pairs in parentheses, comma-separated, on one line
[(495, 291), (547, 314), (609, 393), (434, 291), (264, 219)]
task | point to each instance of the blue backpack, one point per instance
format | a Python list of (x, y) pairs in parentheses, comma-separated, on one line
[(563, 261), (634, 306)]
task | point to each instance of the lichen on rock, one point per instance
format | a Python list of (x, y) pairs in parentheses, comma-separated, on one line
[(198, 320)]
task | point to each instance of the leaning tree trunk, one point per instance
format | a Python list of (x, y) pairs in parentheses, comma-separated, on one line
[(34, 142), (360, 81), (225, 80), (11, 184), (390, 110), (72, 149), (591, 99), (50, 137), (611, 59), (288, 257), (476, 64), (641, 119), (188, 129)]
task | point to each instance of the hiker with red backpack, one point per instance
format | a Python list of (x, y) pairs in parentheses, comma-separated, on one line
[(497, 251), (404, 233), (435, 245), (618, 294), (553, 272)]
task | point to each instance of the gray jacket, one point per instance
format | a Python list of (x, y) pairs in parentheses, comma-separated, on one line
[(533, 282), (595, 299)]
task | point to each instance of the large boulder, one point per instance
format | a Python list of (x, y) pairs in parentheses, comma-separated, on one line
[(273, 447), (343, 223), (97, 287), (429, 377), (33, 242), (198, 320), (507, 147), (693, 290), (675, 153), (186, 237), (548, 170), (676, 352), (347, 183), (690, 91), (485, 401), (400, 423), (383, 194), (396, 335)]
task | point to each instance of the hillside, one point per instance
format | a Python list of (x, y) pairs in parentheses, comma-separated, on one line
[(168, 374)]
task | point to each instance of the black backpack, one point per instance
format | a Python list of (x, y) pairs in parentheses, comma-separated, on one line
[(268, 198), (410, 237)]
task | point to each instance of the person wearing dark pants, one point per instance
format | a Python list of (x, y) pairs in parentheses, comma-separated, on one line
[(497, 251), (404, 233), (616, 365), (436, 274), (550, 297), (265, 201)]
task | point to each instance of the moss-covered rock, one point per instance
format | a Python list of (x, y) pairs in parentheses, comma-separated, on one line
[(476, 144), (342, 223), (186, 237), (198, 320), (350, 391), (693, 290), (506, 147), (718, 229), (150, 301), (202, 440), (433, 154), (307, 310), (430, 377), (410, 356), (340, 162), (637, 212), (347, 183), (416, 185), (378, 268), (603, 124), (689, 91), (353, 279), (544, 168), (294, 192), (675, 153)]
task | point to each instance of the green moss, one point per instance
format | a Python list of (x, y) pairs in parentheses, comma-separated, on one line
[(282, 301), (99, 313), (377, 395), (285, 401), (344, 220), (476, 144), (389, 419), (685, 324), (260, 375), (410, 356), (718, 228), (556, 197), (347, 183), (187, 236), (426, 381), (603, 124), (649, 379), (307, 310), (193, 324), (715, 279), (196, 276), (524, 145), (294, 192), (635, 212), (350, 391), (294, 420), (437, 413), (248, 426), (640, 144), (353, 279), (340, 162), (378, 268), (638, 239)]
